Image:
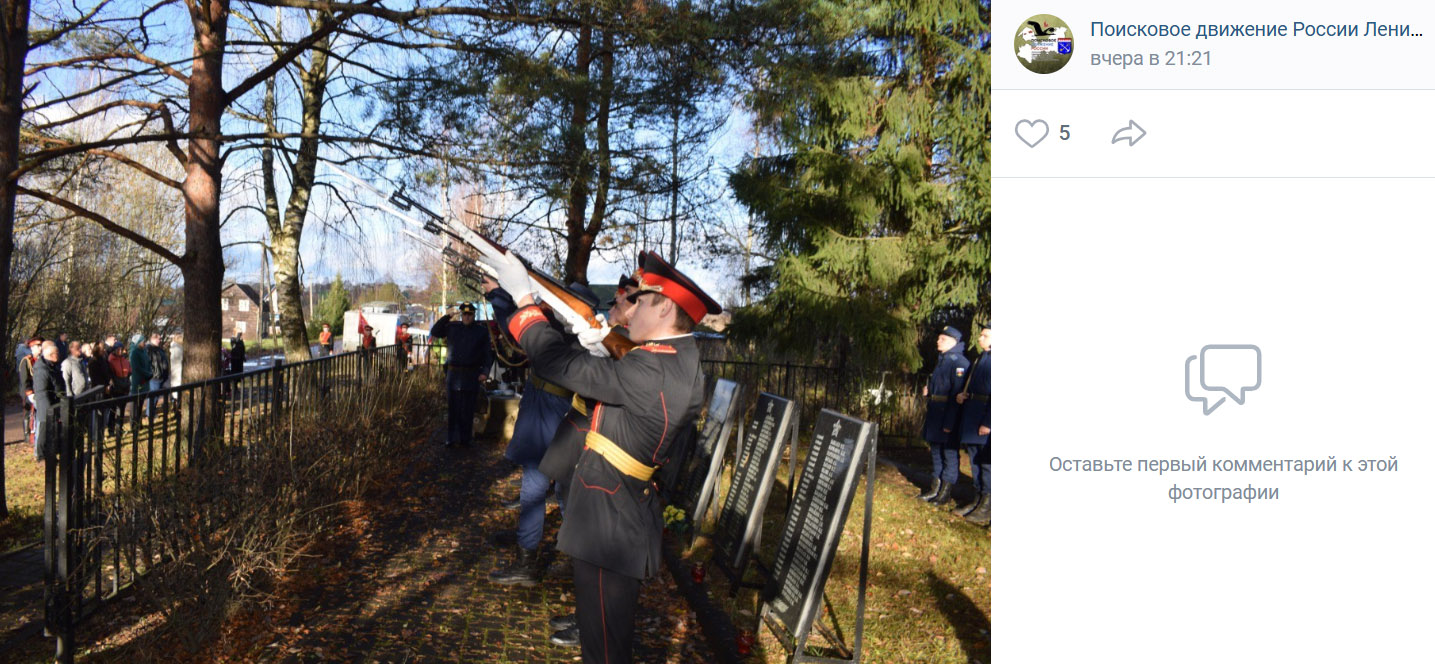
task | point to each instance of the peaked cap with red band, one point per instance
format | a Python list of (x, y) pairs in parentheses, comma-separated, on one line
[(657, 276)]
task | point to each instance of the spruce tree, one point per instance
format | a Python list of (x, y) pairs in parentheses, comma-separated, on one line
[(877, 196), (334, 304)]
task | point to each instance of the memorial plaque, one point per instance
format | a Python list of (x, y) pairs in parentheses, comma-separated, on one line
[(814, 524), (752, 476), (704, 462)]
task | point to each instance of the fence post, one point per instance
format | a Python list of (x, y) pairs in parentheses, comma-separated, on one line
[(276, 396), (63, 595)]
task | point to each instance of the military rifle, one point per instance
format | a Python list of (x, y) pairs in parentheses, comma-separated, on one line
[(552, 292)]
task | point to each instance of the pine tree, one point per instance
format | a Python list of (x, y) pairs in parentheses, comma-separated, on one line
[(878, 202), (334, 304)]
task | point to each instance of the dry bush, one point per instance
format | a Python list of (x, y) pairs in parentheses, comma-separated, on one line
[(227, 528)]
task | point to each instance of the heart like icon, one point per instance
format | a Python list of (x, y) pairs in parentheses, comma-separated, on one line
[(1032, 132)]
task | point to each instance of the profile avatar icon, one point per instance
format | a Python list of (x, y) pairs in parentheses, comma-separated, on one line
[(1044, 44)]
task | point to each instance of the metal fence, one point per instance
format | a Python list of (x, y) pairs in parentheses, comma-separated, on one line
[(893, 400), (108, 456)]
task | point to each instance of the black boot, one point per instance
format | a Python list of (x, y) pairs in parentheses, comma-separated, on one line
[(560, 623), (936, 489), (943, 495), (523, 571), (566, 637), (982, 515), (965, 506)]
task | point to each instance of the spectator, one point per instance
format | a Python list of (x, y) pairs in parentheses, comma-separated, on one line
[(73, 371), (49, 387), (237, 355), (406, 344), (25, 373), (139, 370), (102, 375), (176, 363), (159, 367)]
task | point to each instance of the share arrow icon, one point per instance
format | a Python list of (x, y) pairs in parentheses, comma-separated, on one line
[(1131, 133)]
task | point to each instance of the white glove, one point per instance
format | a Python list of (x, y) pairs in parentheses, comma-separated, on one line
[(592, 339), (510, 274)]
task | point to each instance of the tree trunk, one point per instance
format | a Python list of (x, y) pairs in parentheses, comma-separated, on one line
[(580, 244), (15, 31), (287, 235), (203, 264), (605, 157)]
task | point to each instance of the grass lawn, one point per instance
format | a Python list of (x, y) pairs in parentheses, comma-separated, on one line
[(142, 454), (929, 582), (24, 495)]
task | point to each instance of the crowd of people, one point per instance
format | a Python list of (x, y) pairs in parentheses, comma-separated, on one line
[(50, 369)]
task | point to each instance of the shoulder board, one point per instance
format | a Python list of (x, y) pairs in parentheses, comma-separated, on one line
[(659, 348)]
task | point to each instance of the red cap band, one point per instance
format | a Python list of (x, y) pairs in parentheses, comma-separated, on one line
[(675, 291)]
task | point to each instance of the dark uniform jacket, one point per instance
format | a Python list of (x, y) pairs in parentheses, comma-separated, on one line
[(49, 389), (567, 443), (643, 401), (469, 352), (942, 408), (977, 412)]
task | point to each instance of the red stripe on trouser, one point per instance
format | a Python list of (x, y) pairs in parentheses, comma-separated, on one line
[(603, 609)]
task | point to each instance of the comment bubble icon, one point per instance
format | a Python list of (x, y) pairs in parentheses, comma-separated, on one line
[(1232, 369), (1194, 392)]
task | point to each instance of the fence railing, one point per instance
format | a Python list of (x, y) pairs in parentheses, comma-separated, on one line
[(105, 457), (891, 399)]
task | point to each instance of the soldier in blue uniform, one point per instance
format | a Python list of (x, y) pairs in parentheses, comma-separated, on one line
[(469, 357), (612, 527), (942, 410), (975, 431), (540, 413)]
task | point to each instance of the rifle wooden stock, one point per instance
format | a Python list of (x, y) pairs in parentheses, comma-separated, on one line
[(617, 344)]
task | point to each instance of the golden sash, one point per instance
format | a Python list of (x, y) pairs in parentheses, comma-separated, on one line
[(615, 455)]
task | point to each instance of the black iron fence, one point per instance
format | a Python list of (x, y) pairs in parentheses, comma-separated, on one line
[(106, 457), (891, 399)]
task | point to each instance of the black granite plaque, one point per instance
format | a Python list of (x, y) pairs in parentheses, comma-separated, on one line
[(701, 468), (814, 523), (752, 476)]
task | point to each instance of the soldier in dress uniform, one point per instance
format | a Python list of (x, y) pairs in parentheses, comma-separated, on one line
[(613, 524), (567, 445), (540, 413), (975, 431), (469, 357), (942, 409)]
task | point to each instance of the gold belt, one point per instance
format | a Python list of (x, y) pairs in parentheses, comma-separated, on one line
[(624, 462), (937, 398), (579, 404), (551, 388)]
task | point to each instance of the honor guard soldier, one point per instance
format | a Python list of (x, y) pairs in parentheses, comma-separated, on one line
[(975, 431), (540, 413), (613, 525), (567, 445), (942, 410), (469, 357)]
